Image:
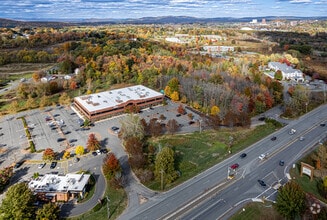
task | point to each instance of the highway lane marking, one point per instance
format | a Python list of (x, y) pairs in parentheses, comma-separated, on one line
[(206, 192), (209, 207)]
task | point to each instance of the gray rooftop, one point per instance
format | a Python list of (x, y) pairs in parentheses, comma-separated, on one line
[(58, 183), (112, 98)]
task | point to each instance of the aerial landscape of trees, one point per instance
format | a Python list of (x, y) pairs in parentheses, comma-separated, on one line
[(227, 90)]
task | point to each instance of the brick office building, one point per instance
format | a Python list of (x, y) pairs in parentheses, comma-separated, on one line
[(114, 102)]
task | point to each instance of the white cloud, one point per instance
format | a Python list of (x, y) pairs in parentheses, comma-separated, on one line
[(300, 1)]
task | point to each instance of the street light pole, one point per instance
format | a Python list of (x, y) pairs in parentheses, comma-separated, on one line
[(108, 209)]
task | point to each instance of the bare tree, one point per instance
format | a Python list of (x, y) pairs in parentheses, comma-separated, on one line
[(172, 126), (131, 126)]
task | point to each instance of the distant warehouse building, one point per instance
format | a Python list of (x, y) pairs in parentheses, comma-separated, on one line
[(114, 102)]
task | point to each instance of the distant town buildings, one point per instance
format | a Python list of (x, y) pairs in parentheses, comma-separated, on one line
[(218, 49), (288, 72), (114, 102)]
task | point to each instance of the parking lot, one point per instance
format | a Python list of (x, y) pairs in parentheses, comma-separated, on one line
[(58, 127)]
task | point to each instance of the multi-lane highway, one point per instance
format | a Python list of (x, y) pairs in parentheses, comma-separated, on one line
[(210, 195)]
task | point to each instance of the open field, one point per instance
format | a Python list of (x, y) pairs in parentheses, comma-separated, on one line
[(257, 211), (23, 68), (197, 152)]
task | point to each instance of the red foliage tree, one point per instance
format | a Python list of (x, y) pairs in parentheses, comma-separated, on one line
[(181, 109), (48, 154), (73, 85), (269, 100), (111, 165), (92, 143)]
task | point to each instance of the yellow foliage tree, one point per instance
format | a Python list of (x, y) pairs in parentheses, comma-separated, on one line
[(79, 150), (29, 104), (184, 99), (44, 101), (64, 99), (196, 105), (13, 107), (174, 96), (66, 155), (214, 110), (167, 91)]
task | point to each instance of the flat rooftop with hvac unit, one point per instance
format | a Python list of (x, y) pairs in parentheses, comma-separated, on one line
[(114, 102)]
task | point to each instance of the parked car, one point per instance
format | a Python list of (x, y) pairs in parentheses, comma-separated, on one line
[(72, 140), (235, 166), (84, 129), (18, 164), (61, 139), (115, 129), (178, 115), (41, 165), (262, 118), (53, 164), (104, 151), (66, 132), (262, 183), (243, 155), (94, 153)]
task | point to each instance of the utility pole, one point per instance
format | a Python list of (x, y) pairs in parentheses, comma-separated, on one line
[(108, 209)]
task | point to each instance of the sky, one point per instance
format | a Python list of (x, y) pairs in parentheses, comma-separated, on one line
[(107, 9)]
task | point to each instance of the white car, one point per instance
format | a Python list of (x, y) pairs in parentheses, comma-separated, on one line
[(262, 156), (292, 131)]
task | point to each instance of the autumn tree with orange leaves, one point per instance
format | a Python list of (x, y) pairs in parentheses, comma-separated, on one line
[(110, 164), (92, 143), (49, 154)]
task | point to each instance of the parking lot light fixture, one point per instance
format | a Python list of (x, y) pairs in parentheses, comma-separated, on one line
[(200, 125)]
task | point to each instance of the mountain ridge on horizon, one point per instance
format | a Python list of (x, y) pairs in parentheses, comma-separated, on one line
[(4, 22)]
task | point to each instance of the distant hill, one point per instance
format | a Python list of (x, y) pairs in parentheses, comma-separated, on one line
[(190, 20), (145, 20), (15, 23)]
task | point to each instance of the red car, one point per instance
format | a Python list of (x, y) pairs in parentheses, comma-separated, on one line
[(235, 166)]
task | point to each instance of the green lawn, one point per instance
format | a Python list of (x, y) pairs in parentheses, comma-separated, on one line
[(117, 204), (257, 211), (309, 186), (199, 151)]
